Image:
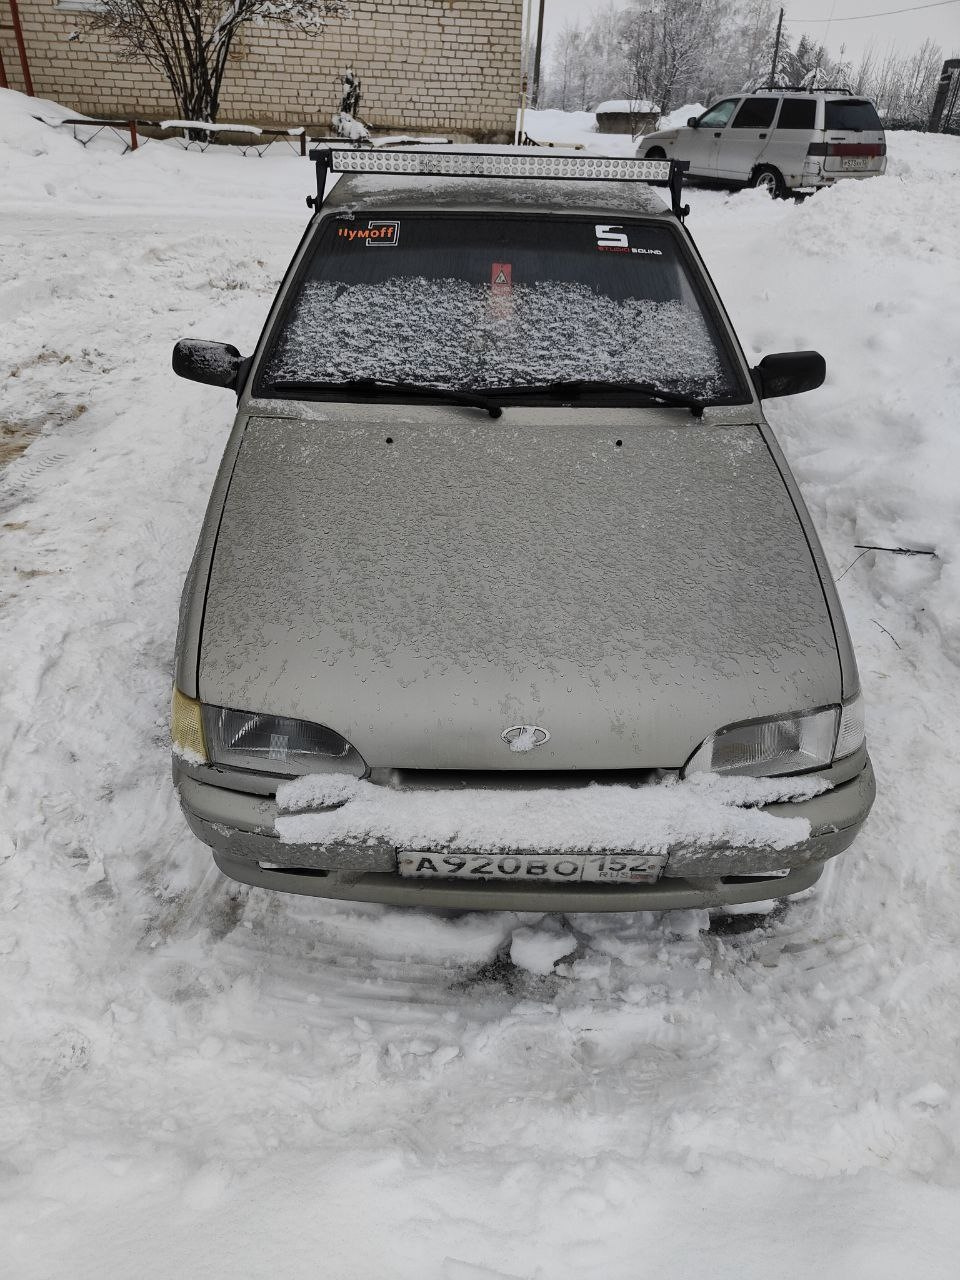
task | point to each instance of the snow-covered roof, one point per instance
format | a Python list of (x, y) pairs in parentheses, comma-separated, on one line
[(627, 106)]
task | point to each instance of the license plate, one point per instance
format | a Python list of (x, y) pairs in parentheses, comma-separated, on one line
[(592, 868), (855, 162)]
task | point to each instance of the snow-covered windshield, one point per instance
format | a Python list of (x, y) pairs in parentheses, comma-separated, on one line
[(506, 302)]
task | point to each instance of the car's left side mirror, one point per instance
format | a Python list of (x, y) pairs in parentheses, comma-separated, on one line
[(788, 372), (216, 363), (693, 122)]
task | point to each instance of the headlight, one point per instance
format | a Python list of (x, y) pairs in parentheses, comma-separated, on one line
[(277, 744), (781, 744)]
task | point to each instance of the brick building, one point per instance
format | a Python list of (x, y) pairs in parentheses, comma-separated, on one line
[(451, 66)]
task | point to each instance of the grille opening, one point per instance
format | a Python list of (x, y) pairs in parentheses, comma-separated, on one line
[(512, 780)]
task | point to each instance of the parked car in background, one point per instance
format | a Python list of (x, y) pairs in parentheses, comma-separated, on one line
[(778, 139)]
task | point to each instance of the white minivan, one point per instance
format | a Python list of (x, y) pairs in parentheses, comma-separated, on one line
[(778, 139)]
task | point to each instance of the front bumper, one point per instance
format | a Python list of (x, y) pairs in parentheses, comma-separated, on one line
[(239, 828)]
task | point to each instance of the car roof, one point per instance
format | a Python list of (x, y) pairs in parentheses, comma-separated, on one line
[(377, 192)]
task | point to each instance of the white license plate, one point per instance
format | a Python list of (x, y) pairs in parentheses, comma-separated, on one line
[(855, 162), (592, 868)]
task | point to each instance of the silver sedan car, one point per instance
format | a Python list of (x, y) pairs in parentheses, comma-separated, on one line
[(506, 596)]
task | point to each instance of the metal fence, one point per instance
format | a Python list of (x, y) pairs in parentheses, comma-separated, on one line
[(193, 135)]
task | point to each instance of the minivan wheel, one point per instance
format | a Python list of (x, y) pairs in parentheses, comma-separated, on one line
[(768, 179)]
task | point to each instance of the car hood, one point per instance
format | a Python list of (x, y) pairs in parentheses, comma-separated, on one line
[(661, 135), (422, 581)]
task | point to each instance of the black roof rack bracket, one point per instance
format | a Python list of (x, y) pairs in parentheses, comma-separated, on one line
[(321, 157), (677, 169)]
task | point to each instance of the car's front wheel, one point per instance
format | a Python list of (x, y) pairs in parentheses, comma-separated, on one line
[(655, 153), (768, 179)]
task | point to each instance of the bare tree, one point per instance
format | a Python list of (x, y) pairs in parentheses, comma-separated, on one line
[(863, 76), (565, 65), (903, 85), (674, 51), (188, 41), (668, 45), (683, 46)]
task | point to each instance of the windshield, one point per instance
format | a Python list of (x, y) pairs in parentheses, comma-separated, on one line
[(502, 303)]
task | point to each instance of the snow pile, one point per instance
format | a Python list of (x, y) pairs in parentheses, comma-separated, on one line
[(196, 1078), (575, 129), (702, 812), (579, 128), (678, 118), (539, 950), (345, 126)]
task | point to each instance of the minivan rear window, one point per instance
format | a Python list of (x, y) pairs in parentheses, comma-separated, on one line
[(797, 113), (852, 115)]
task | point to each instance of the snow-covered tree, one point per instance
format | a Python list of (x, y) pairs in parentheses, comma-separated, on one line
[(807, 65), (755, 36), (188, 41)]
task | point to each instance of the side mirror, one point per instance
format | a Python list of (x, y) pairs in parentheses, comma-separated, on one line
[(216, 363), (693, 122), (788, 372)]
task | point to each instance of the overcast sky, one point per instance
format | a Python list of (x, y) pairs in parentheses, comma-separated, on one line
[(907, 31)]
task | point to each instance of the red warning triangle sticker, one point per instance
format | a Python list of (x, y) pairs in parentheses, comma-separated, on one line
[(501, 278)]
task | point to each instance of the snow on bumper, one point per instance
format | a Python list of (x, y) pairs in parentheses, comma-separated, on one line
[(704, 812), (716, 839)]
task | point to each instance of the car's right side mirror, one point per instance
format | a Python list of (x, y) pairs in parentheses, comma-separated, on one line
[(216, 363), (693, 122), (788, 372)]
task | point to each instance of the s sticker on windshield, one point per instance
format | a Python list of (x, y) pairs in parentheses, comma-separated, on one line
[(377, 232), (614, 239)]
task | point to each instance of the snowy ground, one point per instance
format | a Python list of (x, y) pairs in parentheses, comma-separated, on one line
[(197, 1079), (579, 129)]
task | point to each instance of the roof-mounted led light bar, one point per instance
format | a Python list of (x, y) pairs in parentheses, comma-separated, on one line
[(491, 164), (466, 164)]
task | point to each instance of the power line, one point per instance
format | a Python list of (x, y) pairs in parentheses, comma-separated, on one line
[(859, 17)]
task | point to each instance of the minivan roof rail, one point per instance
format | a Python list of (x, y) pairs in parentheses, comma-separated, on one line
[(804, 88), (496, 164)]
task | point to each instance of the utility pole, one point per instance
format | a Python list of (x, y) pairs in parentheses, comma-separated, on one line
[(524, 74), (776, 52), (536, 57)]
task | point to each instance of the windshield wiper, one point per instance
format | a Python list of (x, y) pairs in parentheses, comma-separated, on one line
[(577, 387), (375, 386)]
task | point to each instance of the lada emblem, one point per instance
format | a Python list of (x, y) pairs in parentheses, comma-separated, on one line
[(524, 737)]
